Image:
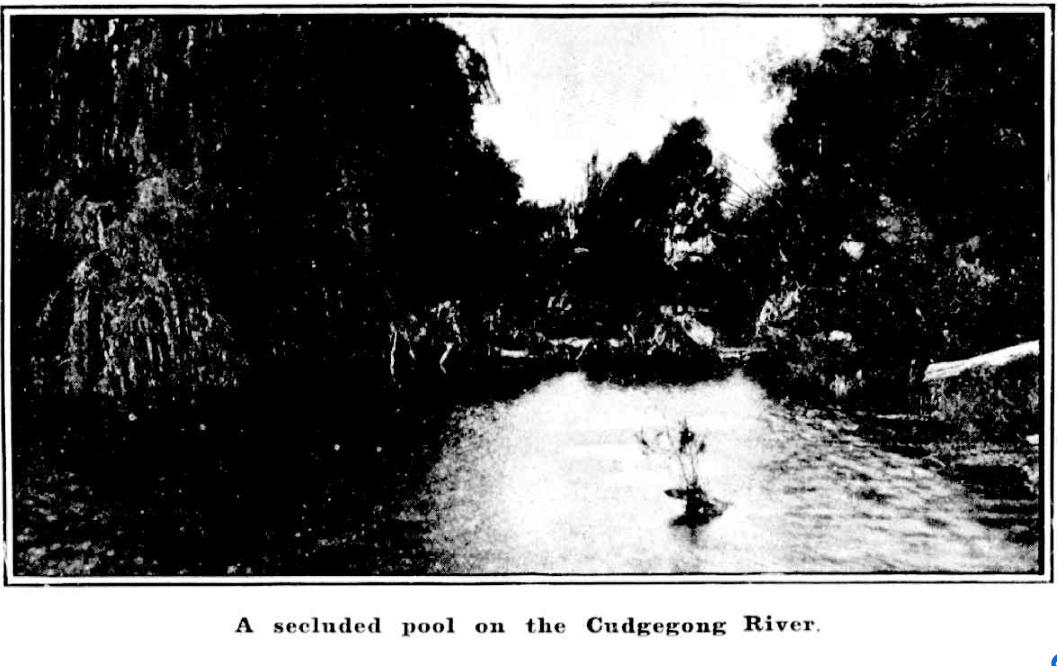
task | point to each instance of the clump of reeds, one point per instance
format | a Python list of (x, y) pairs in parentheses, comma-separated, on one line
[(685, 448)]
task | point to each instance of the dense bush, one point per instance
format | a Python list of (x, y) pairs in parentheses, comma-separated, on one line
[(818, 367), (921, 237), (993, 404)]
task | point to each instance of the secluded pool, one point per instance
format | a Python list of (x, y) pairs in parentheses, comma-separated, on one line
[(553, 481)]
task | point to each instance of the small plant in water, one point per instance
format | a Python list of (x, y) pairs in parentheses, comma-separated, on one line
[(686, 448)]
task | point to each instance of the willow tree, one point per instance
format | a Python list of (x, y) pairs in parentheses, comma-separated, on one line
[(199, 196), (107, 190)]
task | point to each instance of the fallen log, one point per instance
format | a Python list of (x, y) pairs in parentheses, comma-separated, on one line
[(946, 369), (513, 353)]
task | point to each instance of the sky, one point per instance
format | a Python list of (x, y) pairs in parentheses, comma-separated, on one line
[(569, 88)]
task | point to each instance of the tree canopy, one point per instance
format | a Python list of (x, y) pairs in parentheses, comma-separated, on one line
[(641, 219), (251, 186), (910, 195)]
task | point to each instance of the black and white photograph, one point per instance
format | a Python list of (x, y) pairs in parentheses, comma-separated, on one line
[(504, 294)]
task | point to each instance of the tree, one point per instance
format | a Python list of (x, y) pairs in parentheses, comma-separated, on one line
[(104, 218), (909, 198), (256, 179), (641, 219)]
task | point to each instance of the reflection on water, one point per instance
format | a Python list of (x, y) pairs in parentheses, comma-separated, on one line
[(554, 482)]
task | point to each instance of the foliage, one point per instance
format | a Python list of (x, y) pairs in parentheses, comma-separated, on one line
[(1000, 405), (641, 218), (195, 194), (912, 208), (816, 367), (125, 324)]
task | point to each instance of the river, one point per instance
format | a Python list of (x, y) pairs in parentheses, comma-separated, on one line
[(553, 481)]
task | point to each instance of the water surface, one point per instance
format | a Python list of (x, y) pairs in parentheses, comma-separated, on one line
[(554, 482)]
